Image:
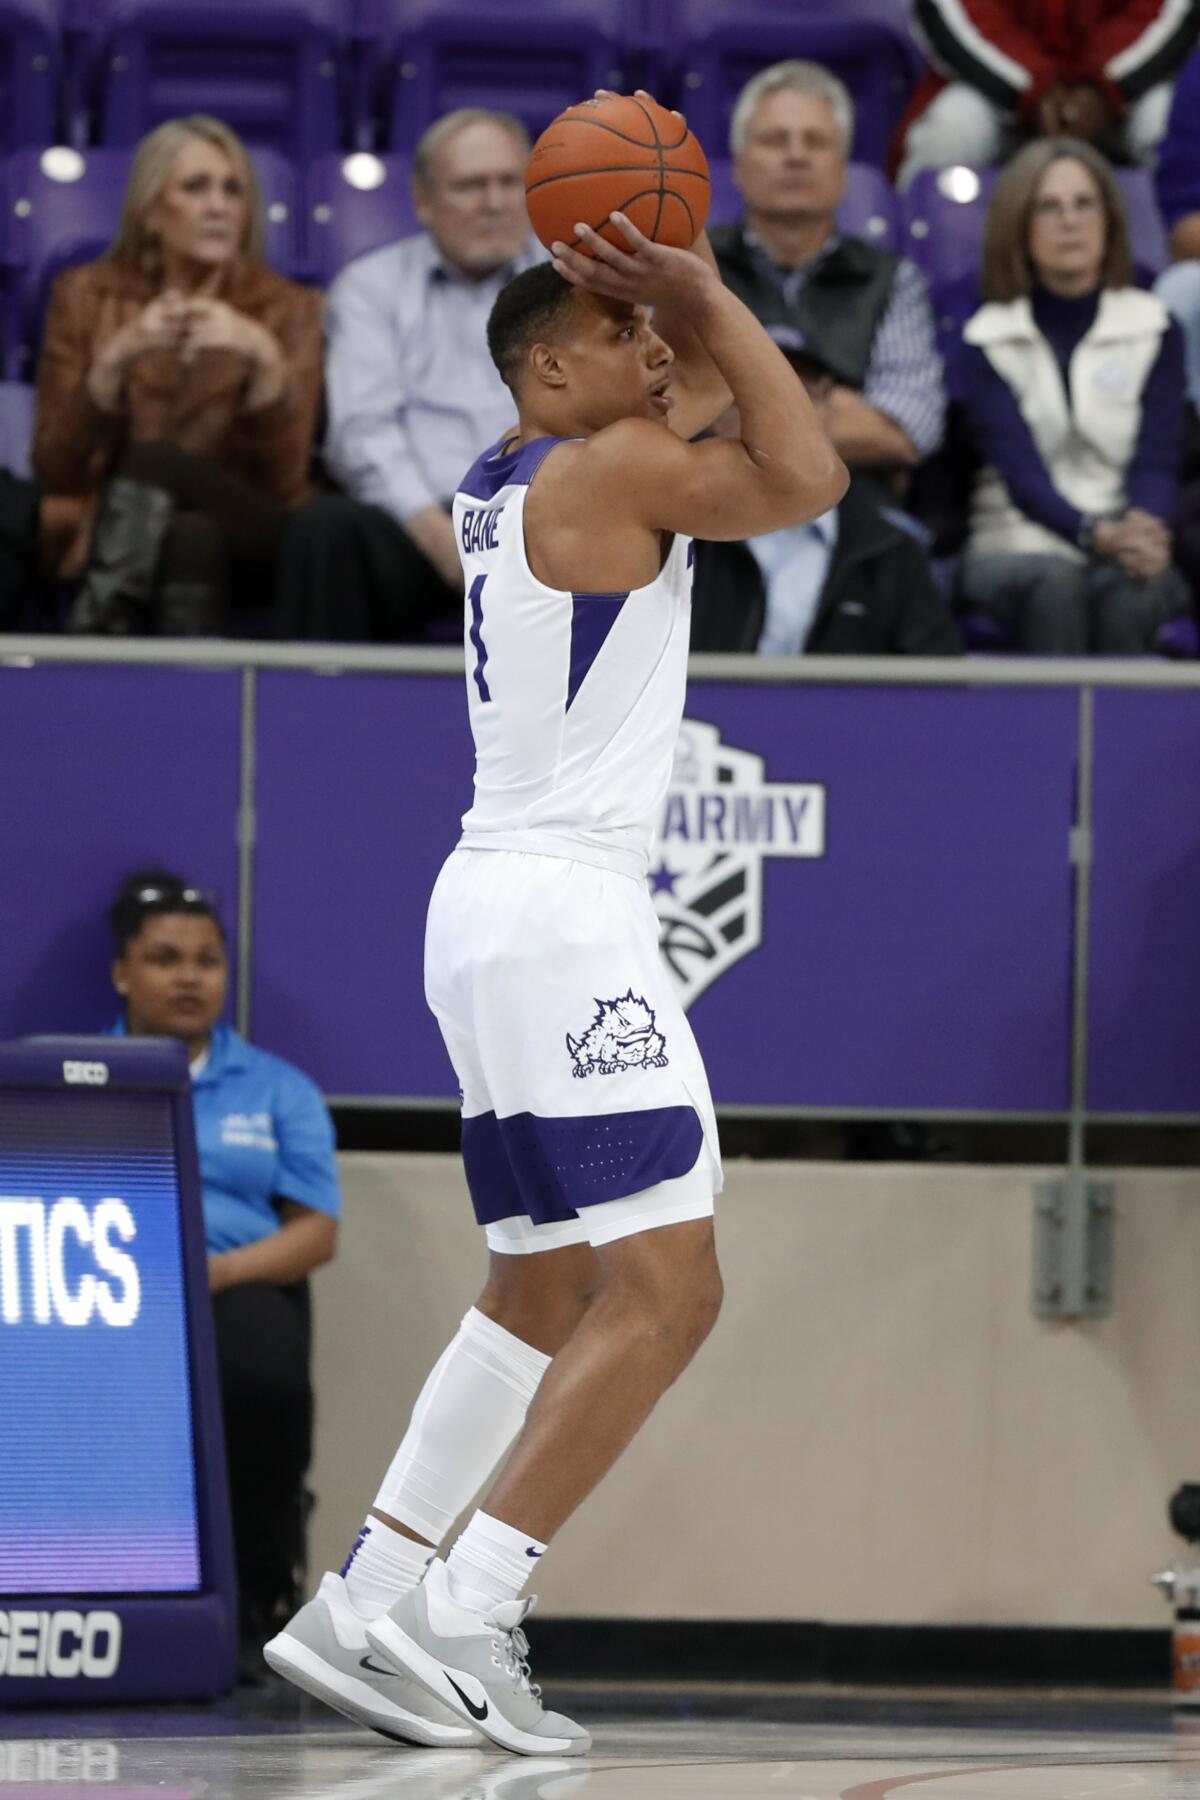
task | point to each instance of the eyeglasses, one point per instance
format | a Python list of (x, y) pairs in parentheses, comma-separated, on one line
[(1084, 206), (178, 897)]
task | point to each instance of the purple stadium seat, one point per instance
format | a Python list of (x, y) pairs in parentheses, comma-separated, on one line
[(271, 69), (30, 71), (1147, 233), (63, 207), (868, 208), (942, 217), (530, 57), (355, 204), (16, 427), (1178, 640), (864, 42)]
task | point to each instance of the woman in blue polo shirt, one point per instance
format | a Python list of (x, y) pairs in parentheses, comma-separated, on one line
[(271, 1206)]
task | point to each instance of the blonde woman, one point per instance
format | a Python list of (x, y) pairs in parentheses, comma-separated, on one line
[(1072, 384), (178, 390)]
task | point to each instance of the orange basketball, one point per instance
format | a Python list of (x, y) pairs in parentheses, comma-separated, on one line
[(620, 155)]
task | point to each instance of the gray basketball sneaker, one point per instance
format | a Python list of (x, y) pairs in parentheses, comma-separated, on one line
[(477, 1666), (324, 1650)]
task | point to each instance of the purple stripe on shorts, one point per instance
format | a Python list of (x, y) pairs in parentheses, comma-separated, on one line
[(592, 618), (550, 1169)]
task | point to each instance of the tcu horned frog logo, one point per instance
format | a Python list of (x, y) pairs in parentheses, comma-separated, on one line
[(719, 820), (621, 1036)]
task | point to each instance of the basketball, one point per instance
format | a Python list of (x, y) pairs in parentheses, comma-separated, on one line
[(623, 154)]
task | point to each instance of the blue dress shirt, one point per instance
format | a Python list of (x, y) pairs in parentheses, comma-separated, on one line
[(413, 395), (795, 564)]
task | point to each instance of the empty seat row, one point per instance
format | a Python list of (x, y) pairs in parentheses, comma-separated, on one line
[(309, 76)]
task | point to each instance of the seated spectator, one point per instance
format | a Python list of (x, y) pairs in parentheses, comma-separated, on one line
[(854, 582), (1071, 381), (1177, 184), (271, 1205), (1007, 70), (178, 390), (413, 394), (862, 310)]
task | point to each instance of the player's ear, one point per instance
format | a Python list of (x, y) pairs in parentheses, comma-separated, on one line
[(547, 366), (119, 980)]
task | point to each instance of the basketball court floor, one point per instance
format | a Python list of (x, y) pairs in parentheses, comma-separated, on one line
[(650, 1744)]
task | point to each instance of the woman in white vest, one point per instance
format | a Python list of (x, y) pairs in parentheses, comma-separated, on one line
[(1071, 380)]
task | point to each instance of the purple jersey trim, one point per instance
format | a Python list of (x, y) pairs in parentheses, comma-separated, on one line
[(491, 472), (592, 618), (549, 1169)]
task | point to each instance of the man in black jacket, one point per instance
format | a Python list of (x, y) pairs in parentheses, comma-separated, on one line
[(855, 582), (863, 310)]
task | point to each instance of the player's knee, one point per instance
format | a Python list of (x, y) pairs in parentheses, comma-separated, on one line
[(670, 1283), (705, 1301), (541, 1299)]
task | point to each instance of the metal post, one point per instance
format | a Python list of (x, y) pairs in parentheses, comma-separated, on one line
[(1081, 859), (247, 827), (1072, 1263)]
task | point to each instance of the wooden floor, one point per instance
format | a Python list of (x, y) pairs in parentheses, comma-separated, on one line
[(650, 1744)]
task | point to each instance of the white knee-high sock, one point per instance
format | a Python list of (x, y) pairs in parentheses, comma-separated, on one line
[(466, 1418)]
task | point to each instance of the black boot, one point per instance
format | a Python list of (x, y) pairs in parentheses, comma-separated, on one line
[(190, 609), (126, 544)]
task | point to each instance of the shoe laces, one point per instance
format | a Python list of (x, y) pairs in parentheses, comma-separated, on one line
[(511, 1647)]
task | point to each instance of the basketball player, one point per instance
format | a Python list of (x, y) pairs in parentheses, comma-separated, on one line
[(588, 1133)]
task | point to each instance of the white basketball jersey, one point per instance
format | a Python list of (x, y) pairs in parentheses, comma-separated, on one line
[(575, 698)]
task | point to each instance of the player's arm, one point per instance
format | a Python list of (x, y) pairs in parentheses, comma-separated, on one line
[(780, 471), (700, 391)]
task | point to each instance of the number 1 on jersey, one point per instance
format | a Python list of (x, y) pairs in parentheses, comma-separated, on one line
[(476, 635)]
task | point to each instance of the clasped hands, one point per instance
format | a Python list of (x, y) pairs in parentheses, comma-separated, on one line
[(187, 324), (1139, 542)]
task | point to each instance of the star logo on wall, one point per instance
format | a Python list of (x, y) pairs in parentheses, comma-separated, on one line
[(662, 880)]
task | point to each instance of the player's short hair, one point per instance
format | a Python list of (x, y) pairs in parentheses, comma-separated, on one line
[(806, 78), (147, 892), (532, 306)]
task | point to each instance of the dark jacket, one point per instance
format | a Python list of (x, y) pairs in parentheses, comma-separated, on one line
[(879, 598), (837, 311)]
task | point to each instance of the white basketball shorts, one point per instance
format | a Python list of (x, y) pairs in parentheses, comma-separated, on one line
[(586, 1110)]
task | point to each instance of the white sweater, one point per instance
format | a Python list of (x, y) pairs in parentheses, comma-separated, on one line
[(1087, 437)]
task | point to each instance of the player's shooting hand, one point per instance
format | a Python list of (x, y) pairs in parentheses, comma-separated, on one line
[(638, 94), (647, 274)]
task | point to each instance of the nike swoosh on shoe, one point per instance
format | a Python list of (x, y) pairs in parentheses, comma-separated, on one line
[(364, 1662), (476, 1712)]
